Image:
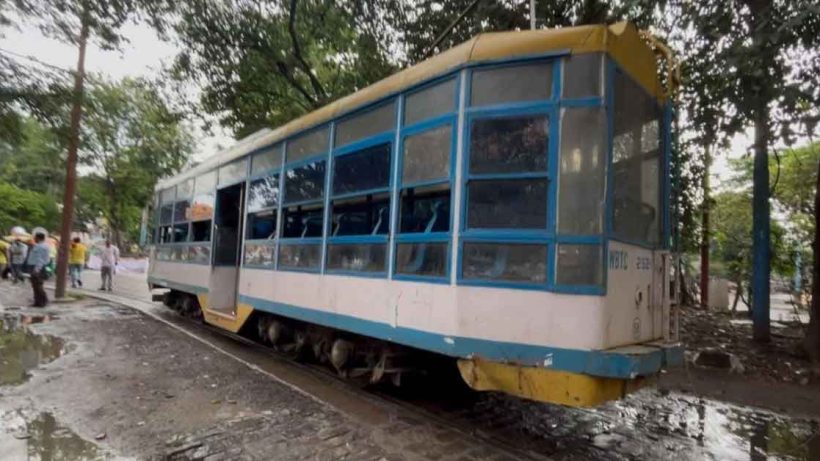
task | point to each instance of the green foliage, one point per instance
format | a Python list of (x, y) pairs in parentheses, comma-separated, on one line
[(20, 207), (130, 140), (263, 64), (29, 162)]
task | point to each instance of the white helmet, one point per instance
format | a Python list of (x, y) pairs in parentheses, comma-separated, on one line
[(18, 231), (39, 230)]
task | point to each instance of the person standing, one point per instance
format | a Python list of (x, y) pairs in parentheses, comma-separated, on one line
[(76, 261), (110, 259), (4, 258), (19, 253), (38, 260)]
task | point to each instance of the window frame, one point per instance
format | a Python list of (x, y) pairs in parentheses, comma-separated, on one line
[(385, 137), (277, 170), (423, 126)]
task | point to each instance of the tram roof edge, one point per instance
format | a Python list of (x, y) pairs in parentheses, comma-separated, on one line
[(621, 41)]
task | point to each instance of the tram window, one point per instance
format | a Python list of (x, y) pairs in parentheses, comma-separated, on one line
[(259, 255), (359, 257), (579, 265), (166, 234), (430, 102), (427, 259), (305, 183), (185, 189), (181, 210), (583, 76), (581, 182), (300, 256), (502, 261), (262, 225), (301, 223), (636, 163), (309, 144), (366, 215), (509, 144), (507, 204), (166, 213), (201, 231), (199, 254), (181, 233), (167, 195), (233, 172), (425, 209), (426, 155), (529, 82), (364, 125), (163, 253), (364, 170), (267, 160), (203, 204), (263, 193)]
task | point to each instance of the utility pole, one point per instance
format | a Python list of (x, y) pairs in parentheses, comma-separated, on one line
[(532, 14), (71, 161), (704, 243)]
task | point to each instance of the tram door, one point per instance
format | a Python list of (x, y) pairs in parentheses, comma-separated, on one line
[(227, 245)]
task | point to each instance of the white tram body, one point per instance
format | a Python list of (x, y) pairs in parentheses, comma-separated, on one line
[(504, 203)]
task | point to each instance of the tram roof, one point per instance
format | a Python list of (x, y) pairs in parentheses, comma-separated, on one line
[(620, 40)]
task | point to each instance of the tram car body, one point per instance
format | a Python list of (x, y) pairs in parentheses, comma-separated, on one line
[(504, 203)]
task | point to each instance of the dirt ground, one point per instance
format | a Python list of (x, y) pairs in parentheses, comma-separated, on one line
[(98, 380)]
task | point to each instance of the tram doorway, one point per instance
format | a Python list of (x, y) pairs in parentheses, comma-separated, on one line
[(227, 249)]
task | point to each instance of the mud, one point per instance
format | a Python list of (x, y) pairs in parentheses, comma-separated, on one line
[(41, 437)]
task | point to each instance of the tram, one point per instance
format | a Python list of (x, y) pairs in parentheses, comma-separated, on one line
[(504, 204)]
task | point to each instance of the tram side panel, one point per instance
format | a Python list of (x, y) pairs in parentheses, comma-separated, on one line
[(185, 277)]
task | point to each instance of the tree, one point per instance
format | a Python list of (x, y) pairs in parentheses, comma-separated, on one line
[(20, 207), (130, 140), (262, 64), (28, 161), (744, 55)]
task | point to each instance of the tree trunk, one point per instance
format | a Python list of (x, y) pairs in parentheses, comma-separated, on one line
[(813, 334), (704, 243), (71, 163)]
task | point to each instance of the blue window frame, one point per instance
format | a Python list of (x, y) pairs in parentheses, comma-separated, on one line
[(508, 179), (426, 166), (359, 202)]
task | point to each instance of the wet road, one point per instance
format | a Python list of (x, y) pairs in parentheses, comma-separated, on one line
[(650, 424)]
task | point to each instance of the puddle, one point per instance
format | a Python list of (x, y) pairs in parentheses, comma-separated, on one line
[(43, 438), (21, 350)]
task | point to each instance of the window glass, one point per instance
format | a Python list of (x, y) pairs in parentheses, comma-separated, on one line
[(168, 195), (166, 234), (315, 142), (509, 144), (267, 160), (426, 155), (507, 204), (259, 255), (263, 193), (529, 82), (166, 213), (363, 216), (181, 210), (203, 205), (364, 170), (429, 259), (510, 262), (305, 183), (636, 163), (582, 167), (360, 257), (262, 225), (372, 122), (430, 102), (185, 189), (163, 253), (181, 233), (302, 223), (584, 75), (233, 171), (579, 265), (300, 256), (201, 231), (425, 209), (200, 254)]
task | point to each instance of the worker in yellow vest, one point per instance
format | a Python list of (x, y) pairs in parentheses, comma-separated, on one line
[(77, 256)]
